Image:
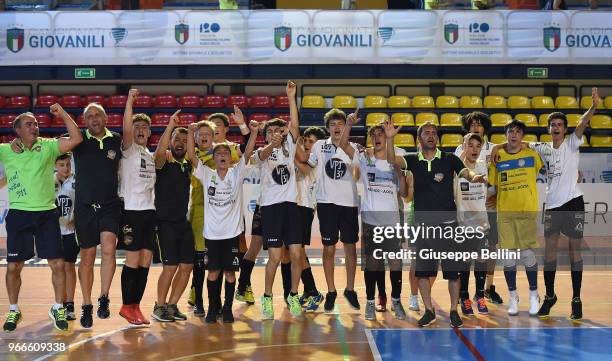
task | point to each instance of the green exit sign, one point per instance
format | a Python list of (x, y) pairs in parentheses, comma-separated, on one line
[(85, 73), (541, 73)]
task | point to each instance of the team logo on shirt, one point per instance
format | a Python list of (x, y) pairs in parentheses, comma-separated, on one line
[(371, 177), (211, 191), (504, 177), (127, 235), (335, 168), (281, 174), (465, 186), (521, 163), (64, 204), (438, 177), (236, 262), (111, 154), (143, 164)]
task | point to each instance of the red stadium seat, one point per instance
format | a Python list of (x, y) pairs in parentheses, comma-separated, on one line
[(213, 101), (261, 101), (160, 119), (189, 101), (234, 138), (114, 120), (205, 116), (281, 101), (284, 117), (165, 101), (58, 122), (260, 117), (18, 101), (81, 121), (241, 101), (2, 101), (6, 120), (116, 101), (70, 101), (94, 98), (187, 118), (154, 140), (8, 138), (45, 100), (44, 120), (143, 101)]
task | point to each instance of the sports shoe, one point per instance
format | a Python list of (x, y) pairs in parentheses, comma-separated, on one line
[(330, 301), (267, 310), (141, 317), (249, 297), (381, 306), (414, 303), (351, 297), (129, 313), (192, 297), (212, 315), (481, 305), (398, 309), (455, 319), (86, 316), (466, 307), (493, 296), (198, 311), (428, 318), (294, 305), (12, 319), (313, 302), (513, 303), (547, 305), (103, 310), (534, 302), (161, 314), (58, 316), (370, 310), (174, 312), (576, 309), (228, 316), (69, 306)]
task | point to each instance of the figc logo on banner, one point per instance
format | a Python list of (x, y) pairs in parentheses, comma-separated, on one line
[(451, 33), (181, 33), (15, 39), (552, 38), (282, 38)]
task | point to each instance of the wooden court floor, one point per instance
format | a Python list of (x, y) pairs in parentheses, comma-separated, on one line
[(316, 336)]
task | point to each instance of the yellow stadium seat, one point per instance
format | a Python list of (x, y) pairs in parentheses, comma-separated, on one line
[(470, 101), (373, 119), (423, 102), (608, 102), (601, 121), (451, 120), (452, 140), (426, 117), (498, 138), (399, 101), (542, 102), (495, 101), (500, 119), (587, 101), (402, 119), (530, 120), (374, 101), (573, 119), (447, 101), (565, 102), (344, 101), (518, 102), (601, 141), (404, 140), (313, 101), (543, 120), (545, 138), (530, 138)]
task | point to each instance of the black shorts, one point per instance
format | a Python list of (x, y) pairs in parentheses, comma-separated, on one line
[(567, 219), (91, 220), (281, 225), (138, 231), (70, 247), (307, 216), (373, 243), (338, 222), (221, 254), (175, 242), (493, 233), (256, 222), (199, 258), (450, 268), (24, 227)]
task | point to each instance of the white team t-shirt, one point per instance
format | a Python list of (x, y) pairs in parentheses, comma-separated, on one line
[(64, 199), (334, 169), (137, 178), (222, 200), (562, 170), (471, 199), (306, 187), (278, 178), (379, 204)]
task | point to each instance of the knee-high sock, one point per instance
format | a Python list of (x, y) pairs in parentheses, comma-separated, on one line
[(464, 280), (510, 275), (246, 268), (198, 282), (308, 281), (380, 283), (550, 270), (229, 294), (532, 277), (286, 274), (370, 283), (129, 279), (214, 295), (576, 278), (143, 275), (396, 284), (480, 274)]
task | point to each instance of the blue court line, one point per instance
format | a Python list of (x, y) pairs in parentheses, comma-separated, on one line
[(532, 344)]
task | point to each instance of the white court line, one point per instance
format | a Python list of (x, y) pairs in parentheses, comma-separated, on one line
[(259, 347), (373, 346), (490, 328), (76, 344)]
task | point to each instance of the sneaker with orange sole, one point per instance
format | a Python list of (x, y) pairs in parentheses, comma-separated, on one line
[(130, 314)]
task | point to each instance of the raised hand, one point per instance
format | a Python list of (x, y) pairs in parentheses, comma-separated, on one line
[(276, 140), (254, 126), (132, 95), (193, 127), (56, 110), (353, 118), (238, 116), (595, 96), (174, 119), (390, 130), (479, 178), (291, 89)]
